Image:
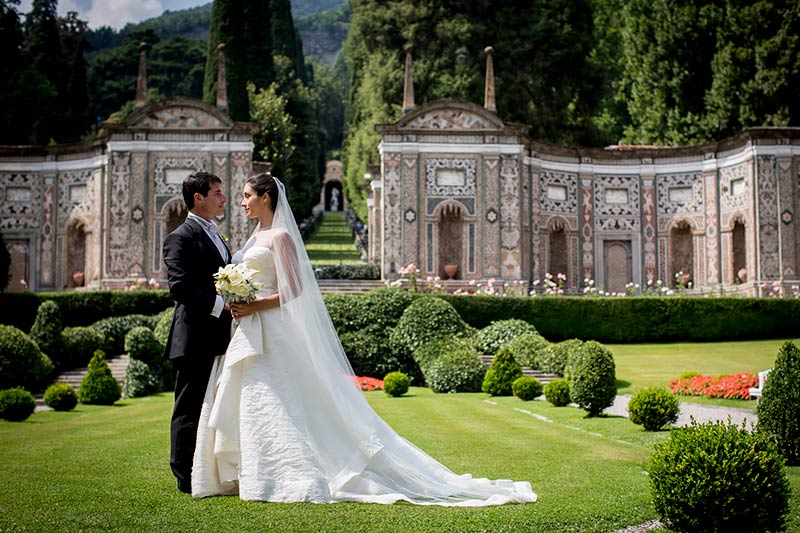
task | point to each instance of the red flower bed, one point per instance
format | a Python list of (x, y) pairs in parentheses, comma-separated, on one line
[(736, 386), (368, 383)]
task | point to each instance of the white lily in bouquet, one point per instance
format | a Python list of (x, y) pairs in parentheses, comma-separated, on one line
[(235, 283)]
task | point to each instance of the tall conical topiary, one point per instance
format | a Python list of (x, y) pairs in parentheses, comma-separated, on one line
[(99, 386), (502, 374), (779, 405), (592, 378), (46, 332)]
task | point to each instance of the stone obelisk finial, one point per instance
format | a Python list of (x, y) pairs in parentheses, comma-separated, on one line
[(488, 95), (408, 84), (222, 84), (141, 80)]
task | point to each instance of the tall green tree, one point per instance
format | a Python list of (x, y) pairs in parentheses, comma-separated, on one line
[(73, 90), (42, 49)]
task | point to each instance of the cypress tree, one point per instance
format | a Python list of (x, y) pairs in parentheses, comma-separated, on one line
[(227, 27)]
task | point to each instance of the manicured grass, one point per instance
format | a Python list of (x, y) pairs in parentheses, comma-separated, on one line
[(654, 365), (332, 242), (106, 469)]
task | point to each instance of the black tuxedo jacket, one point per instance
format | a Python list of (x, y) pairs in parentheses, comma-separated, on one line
[(192, 260)]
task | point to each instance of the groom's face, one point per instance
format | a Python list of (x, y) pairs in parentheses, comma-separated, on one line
[(213, 204)]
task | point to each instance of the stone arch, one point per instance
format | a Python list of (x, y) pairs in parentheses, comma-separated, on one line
[(681, 252), (77, 233), (175, 213), (739, 249), (557, 247), (450, 239)]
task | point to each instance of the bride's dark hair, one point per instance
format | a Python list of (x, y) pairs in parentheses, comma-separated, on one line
[(265, 183)]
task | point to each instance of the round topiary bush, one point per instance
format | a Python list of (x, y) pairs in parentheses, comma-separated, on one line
[(141, 344), (557, 392), (457, 369), (79, 345), (696, 486), (653, 408), (61, 397), (163, 326), (116, 327), (491, 338), (593, 382), (396, 384), (502, 374), (46, 332), (427, 318), (22, 363), (16, 404), (140, 380), (528, 348), (527, 388), (98, 385), (553, 358), (779, 405), (371, 354), (383, 307)]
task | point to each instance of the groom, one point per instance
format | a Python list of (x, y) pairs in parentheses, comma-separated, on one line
[(200, 326)]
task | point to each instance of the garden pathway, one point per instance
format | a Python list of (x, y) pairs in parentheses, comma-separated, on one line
[(701, 413)]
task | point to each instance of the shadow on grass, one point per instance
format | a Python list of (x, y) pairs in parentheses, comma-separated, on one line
[(621, 383)]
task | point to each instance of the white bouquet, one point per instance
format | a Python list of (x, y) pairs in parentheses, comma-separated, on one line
[(235, 283)]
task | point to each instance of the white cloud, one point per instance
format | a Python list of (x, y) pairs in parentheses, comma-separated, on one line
[(116, 13)]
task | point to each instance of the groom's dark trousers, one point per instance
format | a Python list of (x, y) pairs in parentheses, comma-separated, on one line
[(195, 337)]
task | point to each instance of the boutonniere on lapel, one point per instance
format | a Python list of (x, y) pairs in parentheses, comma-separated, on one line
[(224, 238)]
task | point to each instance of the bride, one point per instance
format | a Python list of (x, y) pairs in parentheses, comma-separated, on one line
[(282, 420)]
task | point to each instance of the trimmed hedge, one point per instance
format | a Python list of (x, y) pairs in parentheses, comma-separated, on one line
[(347, 271), (638, 319), (81, 308)]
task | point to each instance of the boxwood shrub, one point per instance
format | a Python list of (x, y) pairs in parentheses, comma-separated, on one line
[(502, 373), (427, 318), (357, 271), (80, 343), (592, 379), (140, 380), (61, 397), (456, 369), (527, 388), (554, 357), (116, 327), (22, 363), (696, 486), (46, 333), (396, 384), (779, 405), (16, 404), (528, 349), (653, 408), (141, 344), (501, 332), (98, 385), (557, 392)]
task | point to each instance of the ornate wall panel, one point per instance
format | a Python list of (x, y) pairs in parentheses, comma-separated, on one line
[(74, 196), (20, 206), (587, 233), (138, 203), (47, 250), (786, 215), (410, 188), (455, 119), (536, 250), (168, 172), (450, 179), (712, 230), (392, 217), (679, 195), (768, 219), (559, 195), (649, 229), (491, 215), (510, 217), (238, 228), (119, 205), (617, 204)]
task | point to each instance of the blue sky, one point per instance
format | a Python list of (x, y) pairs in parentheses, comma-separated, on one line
[(116, 13)]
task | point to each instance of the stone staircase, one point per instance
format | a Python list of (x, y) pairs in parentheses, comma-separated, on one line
[(543, 377), (117, 364)]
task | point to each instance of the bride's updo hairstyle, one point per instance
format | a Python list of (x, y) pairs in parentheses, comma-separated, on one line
[(265, 183)]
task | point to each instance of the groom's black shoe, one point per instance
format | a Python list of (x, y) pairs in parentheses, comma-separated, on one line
[(185, 487)]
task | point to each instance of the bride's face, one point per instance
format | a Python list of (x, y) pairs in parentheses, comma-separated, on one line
[(255, 206)]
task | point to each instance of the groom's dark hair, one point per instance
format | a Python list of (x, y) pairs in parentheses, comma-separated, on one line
[(197, 182)]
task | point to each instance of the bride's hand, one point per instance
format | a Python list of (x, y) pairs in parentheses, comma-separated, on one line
[(241, 309)]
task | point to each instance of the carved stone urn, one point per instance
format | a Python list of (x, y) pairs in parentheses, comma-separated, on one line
[(450, 271)]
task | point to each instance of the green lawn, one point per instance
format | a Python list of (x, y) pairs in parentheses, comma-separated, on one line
[(654, 365), (332, 242), (106, 469)]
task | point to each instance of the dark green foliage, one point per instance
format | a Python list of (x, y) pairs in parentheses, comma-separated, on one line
[(502, 374), (554, 357), (638, 319), (719, 477), (161, 331), (16, 404), (80, 343), (653, 408), (592, 383), (779, 405), (527, 388), (528, 349), (22, 363), (61, 397), (46, 332), (495, 335), (345, 311), (396, 384), (371, 354), (347, 271), (116, 327), (557, 392), (140, 380), (427, 318), (98, 385), (141, 344), (457, 368)]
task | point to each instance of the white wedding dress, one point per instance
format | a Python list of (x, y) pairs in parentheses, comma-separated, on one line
[(272, 431)]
